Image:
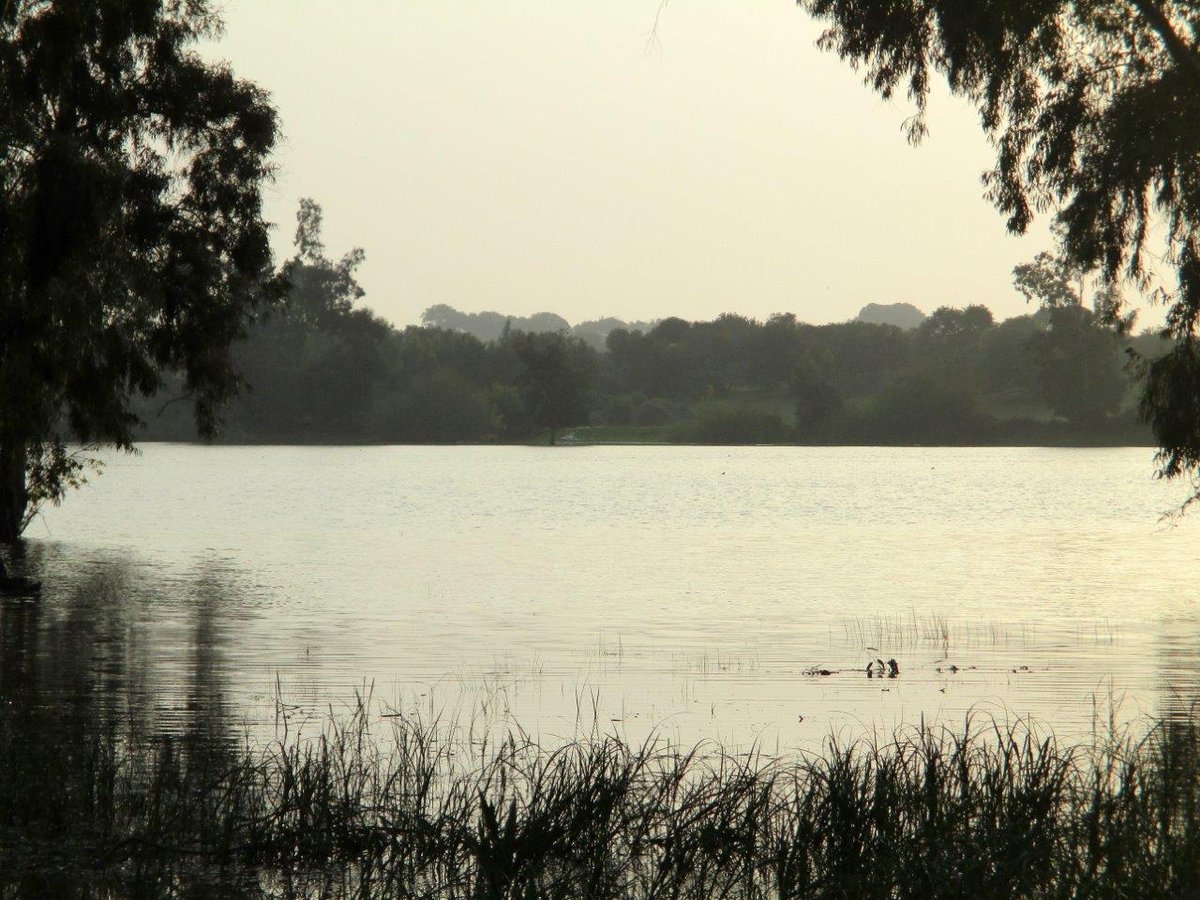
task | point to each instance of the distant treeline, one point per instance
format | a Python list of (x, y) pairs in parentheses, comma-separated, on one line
[(322, 369), (490, 326)]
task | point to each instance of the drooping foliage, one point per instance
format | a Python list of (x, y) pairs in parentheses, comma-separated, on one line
[(1092, 106), (132, 243)]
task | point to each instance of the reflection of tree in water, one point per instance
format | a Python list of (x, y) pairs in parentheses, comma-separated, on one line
[(206, 715), (109, 647), (106, 658), (1179, 667)]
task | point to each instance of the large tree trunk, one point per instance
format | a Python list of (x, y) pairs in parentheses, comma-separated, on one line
[(13, 494)]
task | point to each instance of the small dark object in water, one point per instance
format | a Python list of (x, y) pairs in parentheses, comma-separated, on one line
[(12, 585), (870, 670), (893, 668), (954, 668)]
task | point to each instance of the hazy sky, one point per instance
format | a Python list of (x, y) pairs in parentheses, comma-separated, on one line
[(528, 155)]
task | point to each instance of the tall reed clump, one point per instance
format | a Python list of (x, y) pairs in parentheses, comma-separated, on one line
[(396, 807)]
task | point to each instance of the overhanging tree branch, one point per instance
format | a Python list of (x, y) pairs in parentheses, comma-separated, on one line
[(1183, 55)]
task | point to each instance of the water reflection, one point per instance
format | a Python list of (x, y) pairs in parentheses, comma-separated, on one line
[(1179, 667), (97, 662), (109, 646), (709, 626), (117, 644)]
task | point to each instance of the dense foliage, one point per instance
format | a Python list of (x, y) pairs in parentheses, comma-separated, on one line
[(131, 237), (319, 368), (1092, 108), (323, 369)]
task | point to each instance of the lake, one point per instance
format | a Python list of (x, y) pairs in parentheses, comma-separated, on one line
[(694, 592)]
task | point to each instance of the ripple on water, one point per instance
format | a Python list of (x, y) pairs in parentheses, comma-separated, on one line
[(680, 588)]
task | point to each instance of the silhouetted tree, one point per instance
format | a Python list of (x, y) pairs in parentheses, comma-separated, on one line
[(131, 237), (948, 344), (440, 407), (1079, 364), (818, 401), (776, 351), (723, 352), (1077, 356), (949, 324), (1004, 360), (313, 367), (863, 356), (1092, 105), (318, 288), (556, 379), (920, 408)]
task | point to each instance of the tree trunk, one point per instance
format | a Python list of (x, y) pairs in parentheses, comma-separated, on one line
[(13, 494)]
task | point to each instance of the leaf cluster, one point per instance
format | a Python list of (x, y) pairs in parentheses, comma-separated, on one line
[(131, 237), (1091, 106)]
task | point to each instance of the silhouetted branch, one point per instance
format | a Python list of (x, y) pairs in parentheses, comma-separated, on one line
[(653, 44), (162, 409)]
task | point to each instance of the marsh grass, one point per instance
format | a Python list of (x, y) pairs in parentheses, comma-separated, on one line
[(910, 631), (907, 631), (365, 805)]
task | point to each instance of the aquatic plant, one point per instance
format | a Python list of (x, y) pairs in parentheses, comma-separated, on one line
[(373, 806)]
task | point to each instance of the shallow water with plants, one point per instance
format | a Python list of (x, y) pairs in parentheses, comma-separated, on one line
[(375, 807), (238, 650)]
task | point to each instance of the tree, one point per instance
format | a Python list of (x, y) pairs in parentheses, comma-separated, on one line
[(555, 380), (1079, 365), (1077, 356), (920, 407), (132, 243), (949, 324), (312, 365), (1092, 108), (319, 289), (818, 402), (1047, 281), (442, 407)]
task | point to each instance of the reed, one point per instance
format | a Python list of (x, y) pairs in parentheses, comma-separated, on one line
[(396, 806), (906, 631)]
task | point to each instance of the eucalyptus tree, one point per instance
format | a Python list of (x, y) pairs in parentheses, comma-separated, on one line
[(132, 243), (1092, 107)]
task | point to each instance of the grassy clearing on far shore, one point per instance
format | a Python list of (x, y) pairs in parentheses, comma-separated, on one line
[(395, 807), (615, 434)]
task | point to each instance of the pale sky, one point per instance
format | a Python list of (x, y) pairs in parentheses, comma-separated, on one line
[(530, 155)]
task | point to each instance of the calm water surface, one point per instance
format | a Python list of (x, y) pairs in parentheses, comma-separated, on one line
[(683, 589)]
